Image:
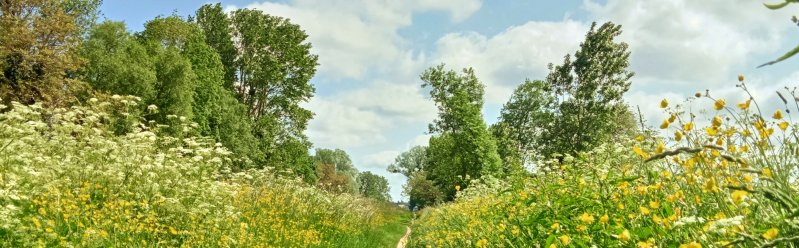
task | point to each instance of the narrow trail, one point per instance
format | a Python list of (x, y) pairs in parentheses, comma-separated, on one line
[(404, 240)]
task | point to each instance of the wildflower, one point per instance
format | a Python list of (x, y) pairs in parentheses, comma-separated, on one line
[(771, 234), (565, 239), (677, 136), (777, 115), (582, 228), (738, 196), (740, 77), (688, 126), (624, 235), (693, 244), (664, 124), (719, 104), (672, 118), (482, 243), (660, 148), (783, 125), (554, 226), (457, 188), (716, 121), (587, 218), (604, 219), (644, 210), (664, 103), (640, 152), (766, 172), (744, 105), (654, 204)]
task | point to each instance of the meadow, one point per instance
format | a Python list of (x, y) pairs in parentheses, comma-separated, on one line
[(98, 176), (725, 178)]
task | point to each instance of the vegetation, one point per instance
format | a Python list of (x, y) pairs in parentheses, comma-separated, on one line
[(192, 133)]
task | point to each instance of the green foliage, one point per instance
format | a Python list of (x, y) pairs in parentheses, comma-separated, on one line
[(410, 161), (578, 106), (464, 148), (373, 186), (117, 63), (218, 34), (793, 51), (421, 191)]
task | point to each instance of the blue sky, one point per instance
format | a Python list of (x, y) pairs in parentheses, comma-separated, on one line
[(368, 99)]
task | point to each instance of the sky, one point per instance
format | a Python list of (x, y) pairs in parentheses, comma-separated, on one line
[(369, 101)]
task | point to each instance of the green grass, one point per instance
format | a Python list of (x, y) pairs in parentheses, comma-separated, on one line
[(389, 234)]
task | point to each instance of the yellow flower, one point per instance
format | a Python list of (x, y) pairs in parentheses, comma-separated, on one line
[(664, 124), (766, 172), (587, 218), (744, 105), (783, 125), (640, 152), (693, 244), (677, 136), (604, 219), (688, 126), (771, 234), (716, 121), (654, 204), (777, 115), (664, 103), (565, 239), (624, 235), (719, 104), (738, 196), (582, 228), (644, 210), (740, 77), (555, 226), (482, 243), (660, 148), (712, 131)]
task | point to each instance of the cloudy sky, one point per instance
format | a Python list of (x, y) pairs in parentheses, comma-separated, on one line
[(371, 52)]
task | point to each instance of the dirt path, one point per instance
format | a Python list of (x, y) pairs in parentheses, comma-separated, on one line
[(404, 239)]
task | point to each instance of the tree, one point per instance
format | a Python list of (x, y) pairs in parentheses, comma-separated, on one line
[(579, 105), (421, 191), (410, 161), (523, 121), (332, 181), (342, 165), (38, 49), (464, 148), (117, 63), (217, 29), (373, 186)]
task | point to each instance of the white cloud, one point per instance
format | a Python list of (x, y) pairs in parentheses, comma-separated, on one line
[(353, 38), (342, 126), (508, 58), (380, 160), (688, 42)]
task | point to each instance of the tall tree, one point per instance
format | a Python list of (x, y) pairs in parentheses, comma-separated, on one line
[(373, 186), (421, 192), (464, 148), (524, 120), (589, 91), (410, 161), (218, 34), (38, 49)]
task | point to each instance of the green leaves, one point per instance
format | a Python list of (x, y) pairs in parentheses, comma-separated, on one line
[(796, 49)]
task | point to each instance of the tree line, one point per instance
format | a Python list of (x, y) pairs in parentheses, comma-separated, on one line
[(240, 77)]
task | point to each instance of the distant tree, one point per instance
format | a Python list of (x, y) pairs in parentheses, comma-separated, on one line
[(332, 181), (463, 148), (410, 161), (508, 149), (341, 163), (38, 49), (373, 186), (421, 191)]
